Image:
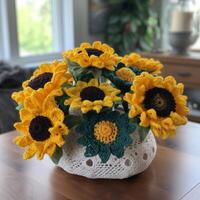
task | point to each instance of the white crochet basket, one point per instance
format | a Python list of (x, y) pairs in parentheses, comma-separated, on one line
[(137, 157)]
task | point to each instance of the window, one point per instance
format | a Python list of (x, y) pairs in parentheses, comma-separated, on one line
[(35, 31), (37, 37)]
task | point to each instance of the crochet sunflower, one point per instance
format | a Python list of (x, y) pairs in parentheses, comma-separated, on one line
[(125, 74), (48, 77), (91, 96), (159, 102), (95, 55), (41, 127), (105, 133), (141, 64), (122, 77)]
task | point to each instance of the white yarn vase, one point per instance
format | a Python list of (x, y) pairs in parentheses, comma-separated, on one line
[(137, 158)]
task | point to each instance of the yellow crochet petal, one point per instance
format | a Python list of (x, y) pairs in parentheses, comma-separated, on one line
[(85, 45), (51, 149), (151, 113), (30, 152), (125, 74), (132, 112), (97, 108), (25, 114), (75, 103), (93, 82), (108, 102), (85, 61), (177, 119), (22, 141), (128, 97), (56, 115), (74, 91), (167, 123), (96, 45), (144, 121), (59, 128), (169, 83), (21, 126), (81, 85)]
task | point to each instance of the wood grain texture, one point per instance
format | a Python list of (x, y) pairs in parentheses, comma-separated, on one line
[(170, 58), (174, 174)]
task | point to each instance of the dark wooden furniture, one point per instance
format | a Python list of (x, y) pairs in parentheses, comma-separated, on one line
[(173, 175), (11, 78), (185, 69)]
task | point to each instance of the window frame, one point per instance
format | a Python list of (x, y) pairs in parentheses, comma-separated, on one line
[(62, 11), (1, 34)]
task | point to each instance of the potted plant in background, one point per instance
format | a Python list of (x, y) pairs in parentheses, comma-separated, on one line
[(131, 26)]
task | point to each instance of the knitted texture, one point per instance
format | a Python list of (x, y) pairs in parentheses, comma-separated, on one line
[(109, 124), (137, 157)]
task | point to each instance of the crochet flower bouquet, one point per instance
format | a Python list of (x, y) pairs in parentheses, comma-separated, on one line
[(92, 113)]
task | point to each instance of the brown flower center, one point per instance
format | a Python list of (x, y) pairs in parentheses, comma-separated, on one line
[(92, 93), (161, 100), (39, 128), (40, 80), (93, 51)]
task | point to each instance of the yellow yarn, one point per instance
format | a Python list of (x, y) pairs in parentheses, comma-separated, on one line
[(105, 131), (126, 74)]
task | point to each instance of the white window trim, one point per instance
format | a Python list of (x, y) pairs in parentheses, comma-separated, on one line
[(1, 34), (62, 27)]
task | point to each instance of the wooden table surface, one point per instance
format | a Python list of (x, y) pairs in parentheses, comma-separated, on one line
[(174, 174)]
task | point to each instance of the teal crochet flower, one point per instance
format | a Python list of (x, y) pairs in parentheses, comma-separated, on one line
[(105, 133)]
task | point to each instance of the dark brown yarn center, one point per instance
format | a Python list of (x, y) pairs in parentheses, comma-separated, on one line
[(93, 51), (92, 93), (39, 128), (40, 80), (161, 100)]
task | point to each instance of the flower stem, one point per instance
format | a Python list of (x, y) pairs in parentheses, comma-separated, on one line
[(125, 106), (97, 74)]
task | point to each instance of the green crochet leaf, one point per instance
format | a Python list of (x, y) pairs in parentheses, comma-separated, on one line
[(138, 71), (57, 155), (117, 149), (60, 102), (104, 153), (143, 131), (82, 140), (118, 152), (72, 120), (127, 140), (134, 123), (124, 86), (96, 73), (79, 73), (67, 85), (91, 150)]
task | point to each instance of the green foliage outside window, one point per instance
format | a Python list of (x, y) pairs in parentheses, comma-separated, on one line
[(34, 22)]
